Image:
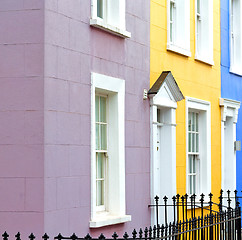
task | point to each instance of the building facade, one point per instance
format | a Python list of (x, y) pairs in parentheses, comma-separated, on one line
[(184, 40), (231, 88), (74, 126)]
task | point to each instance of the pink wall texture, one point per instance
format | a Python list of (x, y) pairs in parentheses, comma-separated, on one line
[(47, 53), (22, 115)]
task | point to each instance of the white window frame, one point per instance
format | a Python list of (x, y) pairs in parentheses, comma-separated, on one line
[(204, 110), (115, 209), (204, 34), (235, 37), (113, 22), (181, 27)]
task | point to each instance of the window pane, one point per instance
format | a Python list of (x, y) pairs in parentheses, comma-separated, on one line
[(193, 142), (100, 8), (198, 7), (103, 136), (196, 122), (171, 32), (103, 109), (171, 11), (97, 137), (197, 142), (193, 164), (97, 108), (100, 193), (189, 121), (194, 184), (100, 165), (190, 185), (189, 142), (193, 121), (190, 164)]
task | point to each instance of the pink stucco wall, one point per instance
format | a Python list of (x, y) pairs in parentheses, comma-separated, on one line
[(48, 51), (21, 115)]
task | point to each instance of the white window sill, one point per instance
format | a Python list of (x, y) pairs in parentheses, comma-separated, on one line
[(177, 49), (98, 23), (102, 220), (235, 71), (203, 60)]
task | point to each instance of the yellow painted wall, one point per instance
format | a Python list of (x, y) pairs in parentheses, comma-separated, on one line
[(195, 79)]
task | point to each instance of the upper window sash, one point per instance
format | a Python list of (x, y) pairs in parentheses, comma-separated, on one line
[(204, 31), (178, 26), (235, 37), (172, 20), (193, 133)]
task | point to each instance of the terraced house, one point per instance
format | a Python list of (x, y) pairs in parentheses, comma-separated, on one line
[(74, 127), (231, 89), (185, 119)]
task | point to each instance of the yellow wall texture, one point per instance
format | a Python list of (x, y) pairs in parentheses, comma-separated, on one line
[(195, 79)]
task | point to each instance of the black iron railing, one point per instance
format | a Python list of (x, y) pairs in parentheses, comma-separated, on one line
[(222, 221)]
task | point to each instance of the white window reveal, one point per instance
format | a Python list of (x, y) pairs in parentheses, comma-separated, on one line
[(235, 36), (178, 26), (110, 16), (198, 123), (107, 151), (204, 31)]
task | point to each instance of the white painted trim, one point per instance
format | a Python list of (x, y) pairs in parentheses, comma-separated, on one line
[(177, 49), (229, 115), (235, 70), (169, 129), (109, 220), (207, 61), (115, 89), (110, 28), (204, 109), (226, 104)]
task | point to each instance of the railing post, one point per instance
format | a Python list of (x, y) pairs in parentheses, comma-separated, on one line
[(202, 201), (186, 196), (229, 215), (174, 207), (221, 201), (182, 199), (165, 201), (210, 216), (194, 204), (229, 200), (156, 207), (238, 225), (191, 206), (236, 198), (177, 196)]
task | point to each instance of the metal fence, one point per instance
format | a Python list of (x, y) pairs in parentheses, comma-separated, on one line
[(222, 221)]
